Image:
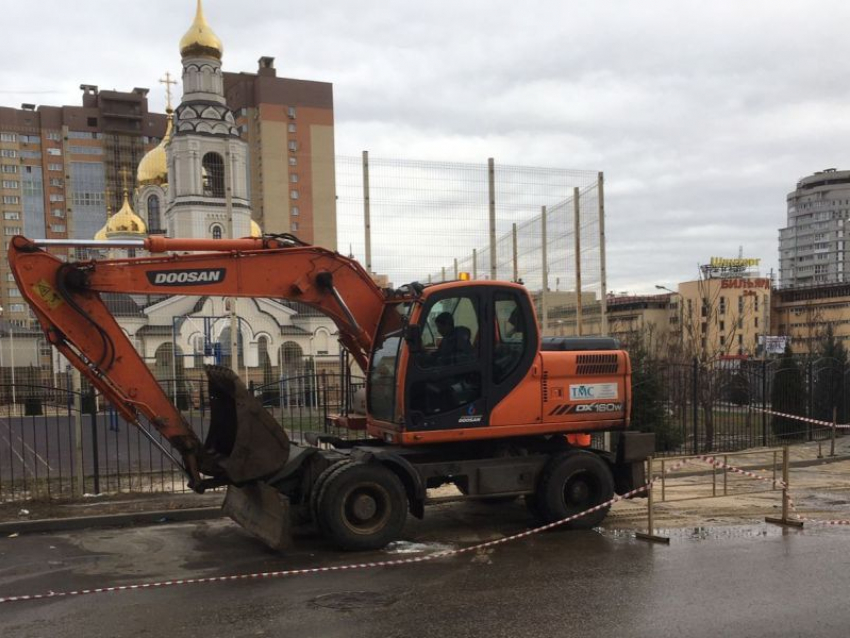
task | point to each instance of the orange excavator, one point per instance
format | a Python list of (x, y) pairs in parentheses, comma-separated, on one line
[(461, 389)]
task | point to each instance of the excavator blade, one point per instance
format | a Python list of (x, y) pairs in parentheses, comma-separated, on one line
[(262, 511), (246, 441)]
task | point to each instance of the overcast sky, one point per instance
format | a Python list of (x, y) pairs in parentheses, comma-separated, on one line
[(703, 115)]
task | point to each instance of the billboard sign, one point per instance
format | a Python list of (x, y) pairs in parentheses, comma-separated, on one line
[(725, 267), (773, 345)]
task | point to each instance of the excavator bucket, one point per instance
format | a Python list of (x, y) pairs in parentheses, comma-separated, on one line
[(250, 446), (246, 440)]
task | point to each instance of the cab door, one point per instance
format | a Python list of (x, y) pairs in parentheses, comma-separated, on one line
[(446, 380), (460, 375)]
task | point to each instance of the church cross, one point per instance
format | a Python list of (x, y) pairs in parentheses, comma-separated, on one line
[(125, 174), (167, 81)]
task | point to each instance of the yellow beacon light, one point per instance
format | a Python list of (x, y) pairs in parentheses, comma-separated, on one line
[(463, 276)]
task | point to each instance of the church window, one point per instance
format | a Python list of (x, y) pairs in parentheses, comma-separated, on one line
[(153, 214), (213, 175), (216, 232)]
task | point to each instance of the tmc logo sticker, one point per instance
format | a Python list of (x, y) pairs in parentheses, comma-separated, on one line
[(593, 391), (197, 277)]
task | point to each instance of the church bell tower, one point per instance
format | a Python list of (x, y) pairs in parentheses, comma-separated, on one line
[(207, 163)]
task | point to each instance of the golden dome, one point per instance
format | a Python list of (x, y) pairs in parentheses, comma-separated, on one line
[(153, 169), (101, 234), (200, 39), (126, 221), (256, 231)]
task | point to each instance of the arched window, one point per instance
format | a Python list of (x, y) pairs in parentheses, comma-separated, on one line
[(264, 360), (198, 359), (216, 232), (213, 175), (224, 349), (322, 342), (154, 225), (291, 358)]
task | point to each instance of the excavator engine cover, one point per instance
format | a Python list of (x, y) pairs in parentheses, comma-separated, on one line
[(247, 441)]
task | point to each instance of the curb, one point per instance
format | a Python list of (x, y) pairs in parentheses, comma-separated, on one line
[(111, 520)]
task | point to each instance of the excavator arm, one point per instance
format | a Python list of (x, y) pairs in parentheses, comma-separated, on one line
[(65, 298)]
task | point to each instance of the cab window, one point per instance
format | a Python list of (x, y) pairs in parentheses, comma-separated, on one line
[(511, 336), (449, 334)]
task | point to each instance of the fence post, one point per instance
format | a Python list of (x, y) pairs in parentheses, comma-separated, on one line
[(544, 310), (514, 254), (491, 182), (834, 427), (603, 293), (695, 404), (94, 445), (811, 389), (577, 243), (79, 470), (367, 216), (650, 522), (324, 387), (764, 403), (785, 497)]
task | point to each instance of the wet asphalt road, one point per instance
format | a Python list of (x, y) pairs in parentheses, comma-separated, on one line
[(756, 580)]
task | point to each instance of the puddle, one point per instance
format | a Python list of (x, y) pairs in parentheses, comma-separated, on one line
[(705, 532), (409, 547)]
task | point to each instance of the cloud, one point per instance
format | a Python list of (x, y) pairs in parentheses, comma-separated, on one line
[(702, 115)]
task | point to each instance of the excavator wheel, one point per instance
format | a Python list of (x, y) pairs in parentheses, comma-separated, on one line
[(361, 506), (316, 490), (573, 482)]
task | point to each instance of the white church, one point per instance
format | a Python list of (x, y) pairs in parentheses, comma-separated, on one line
[(189, 187)]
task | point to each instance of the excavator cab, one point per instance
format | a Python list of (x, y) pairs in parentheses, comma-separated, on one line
[(443, 362)]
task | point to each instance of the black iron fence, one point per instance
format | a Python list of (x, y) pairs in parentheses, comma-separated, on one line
[(728, 405), (60, 442)]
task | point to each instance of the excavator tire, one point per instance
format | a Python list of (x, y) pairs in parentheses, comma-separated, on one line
[(362, 506), (573, 482), (316, 489)]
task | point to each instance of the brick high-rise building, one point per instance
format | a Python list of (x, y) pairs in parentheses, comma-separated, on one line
[(58, 165), (289, 127)]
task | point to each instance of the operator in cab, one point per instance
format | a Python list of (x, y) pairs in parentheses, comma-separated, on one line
[(455, 345)]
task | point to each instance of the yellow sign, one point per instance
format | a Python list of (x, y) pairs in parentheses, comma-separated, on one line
[(46, 292), (722, 262)]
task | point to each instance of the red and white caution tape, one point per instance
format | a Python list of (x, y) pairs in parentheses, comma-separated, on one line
[(805, 419), (737, 470), (320, 570), (390, 563)]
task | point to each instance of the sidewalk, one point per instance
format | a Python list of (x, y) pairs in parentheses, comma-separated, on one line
[(693, 496)]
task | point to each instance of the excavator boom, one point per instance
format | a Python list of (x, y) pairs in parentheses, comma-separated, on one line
[(66, 300)]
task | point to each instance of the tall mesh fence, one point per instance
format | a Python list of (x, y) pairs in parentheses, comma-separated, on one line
[(430, 221)]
